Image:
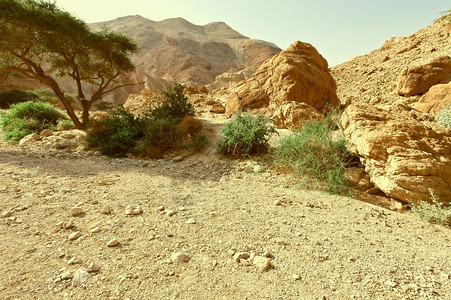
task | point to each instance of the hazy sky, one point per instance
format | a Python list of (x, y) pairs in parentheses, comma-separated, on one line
[(339, 29)]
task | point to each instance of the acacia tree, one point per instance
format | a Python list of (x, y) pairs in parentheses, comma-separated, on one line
[(39, 40)]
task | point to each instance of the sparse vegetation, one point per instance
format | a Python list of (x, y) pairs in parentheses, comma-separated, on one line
[(16, 96), (444, 117), (174, 105), (434, 212), (245, 135), (158, 130), (312, 152), (28, 117)]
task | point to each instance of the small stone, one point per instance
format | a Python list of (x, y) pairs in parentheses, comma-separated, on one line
[(281, 242), (258, 169), (60, 224), (171, 212), (296, 277), (171, 273), (105, 211), (267, 254), (161, 208), (67, 275), (113, 242), (231, 252), (133, 209), (240, 255), (76, 211), (93, 267), (262, 263), (278, 202), (74, 235), (68, 225), (94, 230), (7, 214), (46, 133), (444, 276), (80, 277), (72, 261), (178, 257), (191, 221), (177, 158)]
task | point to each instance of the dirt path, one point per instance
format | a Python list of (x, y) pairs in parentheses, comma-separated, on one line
[(318, 246)]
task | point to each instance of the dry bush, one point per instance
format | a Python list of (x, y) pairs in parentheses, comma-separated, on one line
[(189, 126)]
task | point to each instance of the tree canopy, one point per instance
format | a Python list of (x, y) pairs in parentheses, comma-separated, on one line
[(43, 42)]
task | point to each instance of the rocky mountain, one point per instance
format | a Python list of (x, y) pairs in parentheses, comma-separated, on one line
[(175, 49)]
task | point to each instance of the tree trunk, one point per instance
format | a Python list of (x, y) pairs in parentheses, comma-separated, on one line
[(86, 105), (69, 109)]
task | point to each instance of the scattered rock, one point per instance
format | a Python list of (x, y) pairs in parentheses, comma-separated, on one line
[(74, 235), (105, 211), (262, 263), (75, 211), (7, 214), (80, 277), (93, 267), (67, 275), (46, 133), (178, 257), (296, 277), (240, 255), (113, 242), (191, 221), (133, 209), (178, 158), (171, 212)]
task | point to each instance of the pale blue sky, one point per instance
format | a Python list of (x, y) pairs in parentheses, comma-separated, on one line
[(339, 29)]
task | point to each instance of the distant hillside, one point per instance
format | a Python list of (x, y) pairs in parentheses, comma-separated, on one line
[(177, 49)]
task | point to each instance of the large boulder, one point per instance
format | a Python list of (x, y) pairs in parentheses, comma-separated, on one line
[(291, 114), (432, 102), (417, 80), (404, 151), (299, 74)]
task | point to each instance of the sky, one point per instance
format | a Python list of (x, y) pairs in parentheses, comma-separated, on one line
[(338, 29)]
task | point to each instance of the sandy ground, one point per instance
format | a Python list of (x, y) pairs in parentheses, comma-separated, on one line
[(202, 228)]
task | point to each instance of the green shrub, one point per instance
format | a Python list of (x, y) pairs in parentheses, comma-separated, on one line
[(28, 117), (245, 135), (16, 96), (444, 117), (434, 213), (48, 95), (175, 104), (311, 151), (118, 133)]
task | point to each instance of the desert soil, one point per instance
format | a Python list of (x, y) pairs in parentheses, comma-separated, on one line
[(201, 228)]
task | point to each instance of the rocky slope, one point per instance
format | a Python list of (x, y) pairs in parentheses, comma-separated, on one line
[(373, 78)]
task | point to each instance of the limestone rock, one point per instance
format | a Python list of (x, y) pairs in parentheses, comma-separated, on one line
[(404, 152), (74, 235), (262, 263), (80, 277), (419, 79), (218, 109), (358, 179), (133, 210), (75, 211), (291, 114), (432, 102), (179, 257), (299, 74), (46, 133), (113, 242), (30, 139)]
